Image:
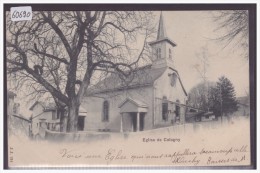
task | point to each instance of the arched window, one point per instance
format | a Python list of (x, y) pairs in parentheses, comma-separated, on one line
[(173, 78), (165, 109), (158, 53), (177, 110), (170, 53), (105, 111)]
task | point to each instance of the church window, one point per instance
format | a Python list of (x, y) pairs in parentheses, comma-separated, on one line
[(165, 109), (105, 111), (173, 78), (170, 53), (177, 110), (159, 53)]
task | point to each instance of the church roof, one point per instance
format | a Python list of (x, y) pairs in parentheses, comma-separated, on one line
[(21, 117), (180, 81), (134, 101), (161, 34), (47, 106), (161, 29), (164, 39), (143, 76)]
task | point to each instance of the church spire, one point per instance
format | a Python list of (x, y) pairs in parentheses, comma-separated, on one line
[(162, 47), (161, 29)]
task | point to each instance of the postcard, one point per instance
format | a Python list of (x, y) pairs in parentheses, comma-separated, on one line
[(98, 86)]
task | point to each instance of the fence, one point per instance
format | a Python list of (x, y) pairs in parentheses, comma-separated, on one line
[(180, 129), (175, 130)]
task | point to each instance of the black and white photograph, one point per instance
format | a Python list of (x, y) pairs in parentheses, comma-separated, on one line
[(133, 86)]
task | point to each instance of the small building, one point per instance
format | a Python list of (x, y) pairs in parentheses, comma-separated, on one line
[(45, 115), (243, 104), (197, 115), (17, 123), (10, 103), (21, 124), (207, 116)]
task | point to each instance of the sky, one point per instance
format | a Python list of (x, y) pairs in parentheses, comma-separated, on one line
[(194, 30)]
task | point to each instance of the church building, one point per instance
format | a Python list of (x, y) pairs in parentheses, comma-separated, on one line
[(155, 96)]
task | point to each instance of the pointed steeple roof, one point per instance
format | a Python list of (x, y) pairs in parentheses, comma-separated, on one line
[(161, 29), (161, 33)]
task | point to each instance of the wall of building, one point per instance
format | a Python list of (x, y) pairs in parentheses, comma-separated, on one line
[(94, 108), (127, 124), (168, 59), (243, 110), (20, 126), (162, 46), (10, 106), (163, 88), (37, 115), (164, 60)]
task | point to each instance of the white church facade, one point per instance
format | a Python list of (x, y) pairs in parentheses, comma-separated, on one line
[(154, 98)]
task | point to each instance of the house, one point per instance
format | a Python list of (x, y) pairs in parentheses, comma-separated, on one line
[(10, 102), (153, 96), (21, 124), (243, 104), (46, 115), (17, 123), (199, 116)]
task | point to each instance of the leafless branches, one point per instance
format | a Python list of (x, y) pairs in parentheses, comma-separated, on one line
[(58, 52), (234, 24)]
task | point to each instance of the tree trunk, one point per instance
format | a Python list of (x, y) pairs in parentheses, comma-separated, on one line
[(63, 123), (72, 123)]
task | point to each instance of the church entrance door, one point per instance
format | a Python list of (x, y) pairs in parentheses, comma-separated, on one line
[(137, 121)]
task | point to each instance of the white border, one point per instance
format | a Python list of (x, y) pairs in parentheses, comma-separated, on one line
[(111, 2)]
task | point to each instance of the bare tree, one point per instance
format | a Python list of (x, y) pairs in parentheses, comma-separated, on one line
[(35, 91), (198, 98), (234, 25), (201, 91), (59, 52)]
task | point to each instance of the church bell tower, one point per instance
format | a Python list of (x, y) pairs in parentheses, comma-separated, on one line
[(162, 48)]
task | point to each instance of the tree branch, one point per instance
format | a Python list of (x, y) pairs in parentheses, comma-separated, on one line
[(49, 55), (120, 28), (60, 33)]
